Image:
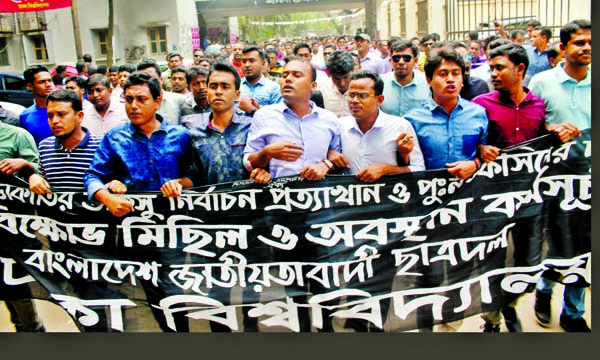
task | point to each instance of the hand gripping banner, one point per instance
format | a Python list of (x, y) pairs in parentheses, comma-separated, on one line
[(405, 252)]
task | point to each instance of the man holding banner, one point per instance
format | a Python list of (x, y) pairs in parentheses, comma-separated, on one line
[(566, 89), (142, 155)]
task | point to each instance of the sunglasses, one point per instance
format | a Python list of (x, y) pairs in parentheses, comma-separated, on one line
[(406, 58), (327, 53), (428, 44), (360, 96)]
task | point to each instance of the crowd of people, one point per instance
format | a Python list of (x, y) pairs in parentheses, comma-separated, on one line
[(341, 104)]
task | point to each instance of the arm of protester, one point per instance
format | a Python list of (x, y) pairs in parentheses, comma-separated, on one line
[(488, 153), (500, 29), (248, 105), (315, 171), (565, 131), (173, 188), (21, 166), (338, 159), (260, 176), (116, 204), (375, 171), (281, 150), (39, 185), (464, 169), (116, 187)]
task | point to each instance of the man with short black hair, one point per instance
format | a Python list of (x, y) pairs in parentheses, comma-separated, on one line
[(340, 65), (256, 90), (449, 128), (304, 50), (35, 118), (405, 87), (179, 84), (171, 103), (515, 115), (567, 91), (106, 113), (538, 52), (167, 153), (198, 102)]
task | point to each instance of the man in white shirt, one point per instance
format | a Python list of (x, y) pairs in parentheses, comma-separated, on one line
[(106, 113)]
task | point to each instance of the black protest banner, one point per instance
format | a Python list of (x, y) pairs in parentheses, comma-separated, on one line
[(405, 252)]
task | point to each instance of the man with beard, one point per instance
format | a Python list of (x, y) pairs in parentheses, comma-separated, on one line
[(256, 90), (106, 112), (236, 61), (404, 87)]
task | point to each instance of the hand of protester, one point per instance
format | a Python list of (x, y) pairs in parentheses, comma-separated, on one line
[(260, 175), (9, 166), (406, 145), (488, 153), (462, 169), (246, 105), (565, 131), (337, 159), (314, 172), (171, 188), (39, 185), (371, 173), (116, 187), (284, 150), (118, 205)]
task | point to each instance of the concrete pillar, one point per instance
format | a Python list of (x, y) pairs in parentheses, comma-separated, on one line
[(411, 18), (437, 17), (395, 18)]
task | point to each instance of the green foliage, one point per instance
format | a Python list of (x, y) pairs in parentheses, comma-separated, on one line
[(261, 32)]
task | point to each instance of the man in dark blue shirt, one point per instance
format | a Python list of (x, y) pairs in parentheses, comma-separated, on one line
[(141, 155), (35, 118)]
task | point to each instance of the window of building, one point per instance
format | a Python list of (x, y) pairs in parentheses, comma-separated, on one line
[(3, 51), (157, 37), (102, 41), (40, 52)]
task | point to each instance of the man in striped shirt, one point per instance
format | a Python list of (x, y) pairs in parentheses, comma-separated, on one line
[(66, 156)]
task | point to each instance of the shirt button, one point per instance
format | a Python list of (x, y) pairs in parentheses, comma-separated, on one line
[(517, 129)]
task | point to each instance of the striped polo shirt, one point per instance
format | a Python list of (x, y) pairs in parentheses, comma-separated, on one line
[(64, 169)]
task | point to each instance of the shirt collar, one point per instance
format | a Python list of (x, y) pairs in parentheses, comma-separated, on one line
[(163, 125), (432, 105), (564, 77), (82, 144), (260, 82)]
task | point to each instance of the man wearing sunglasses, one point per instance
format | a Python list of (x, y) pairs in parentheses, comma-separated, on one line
[(404, 87)]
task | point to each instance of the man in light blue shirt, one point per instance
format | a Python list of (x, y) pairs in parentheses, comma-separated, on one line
[(567, 92), (538, 52), (256, 90), (404, 88), (449, 128), (293, 137)]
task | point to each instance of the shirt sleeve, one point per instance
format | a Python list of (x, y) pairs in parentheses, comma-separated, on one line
[(256, 139), (101, 168), (27, 148)]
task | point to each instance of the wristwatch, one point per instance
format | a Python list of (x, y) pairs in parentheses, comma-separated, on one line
[(328, 163)]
